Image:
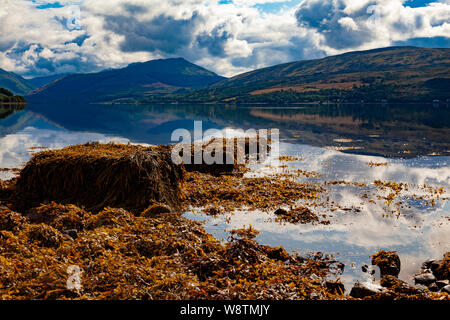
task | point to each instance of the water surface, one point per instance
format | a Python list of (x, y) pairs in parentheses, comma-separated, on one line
[(337, 141)]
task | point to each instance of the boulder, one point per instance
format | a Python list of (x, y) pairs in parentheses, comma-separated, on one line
[(388, 262), (335, 287), (427, 264), (155, 210), (446, 289), (365, 289), (398, 286), (100, 175), (425, 279), (442, 283), (220, 156), (441, 268)]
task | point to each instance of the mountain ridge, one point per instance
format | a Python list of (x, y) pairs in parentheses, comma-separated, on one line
[(14, 83), (155, 77), (392, 73)]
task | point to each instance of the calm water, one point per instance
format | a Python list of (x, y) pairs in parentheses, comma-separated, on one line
[(336, 141)]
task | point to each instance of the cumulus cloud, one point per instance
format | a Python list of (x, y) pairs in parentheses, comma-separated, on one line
[(362, 24), (45, 37)]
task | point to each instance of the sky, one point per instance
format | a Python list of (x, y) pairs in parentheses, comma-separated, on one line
[(40, 38)]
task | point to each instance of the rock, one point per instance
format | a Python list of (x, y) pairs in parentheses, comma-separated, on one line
[(442, 283), (276, 253), (365, 289), (44, 236), (433, 287), (71, 233), (366, 269), (96, 176), (389, 281), (441, 268), (335, 287), (427, 264), (425, 279), (388, 262), (10, 220), (446, 289), (281, 212), (156, 210), (399, 286)]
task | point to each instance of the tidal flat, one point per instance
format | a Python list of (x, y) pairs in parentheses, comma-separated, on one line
[(344, 189)]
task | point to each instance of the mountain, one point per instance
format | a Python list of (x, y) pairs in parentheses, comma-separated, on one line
[(39, 82), (387, 74), (137, 81), (14, 83)]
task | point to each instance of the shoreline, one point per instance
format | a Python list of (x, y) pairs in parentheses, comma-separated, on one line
[(47, 229)]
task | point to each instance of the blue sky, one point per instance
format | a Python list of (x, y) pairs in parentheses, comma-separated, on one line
[(39, 37)]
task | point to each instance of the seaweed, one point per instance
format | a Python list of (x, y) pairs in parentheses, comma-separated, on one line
[(124, 256), (96, 175)]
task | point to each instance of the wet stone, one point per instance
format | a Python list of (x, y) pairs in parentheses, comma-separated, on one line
[(427, 264), (365, 289), (442, 283), (72, 233), (281, 212), (335, 287), (388, 262), (433, 287), (425, 279)]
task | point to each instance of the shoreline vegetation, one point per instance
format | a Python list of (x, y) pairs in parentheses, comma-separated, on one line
[(7, 97), (116, 212)]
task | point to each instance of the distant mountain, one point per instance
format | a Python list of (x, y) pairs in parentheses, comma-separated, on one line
[(388, 74), (137, 81), (14, 83), (39, 82)]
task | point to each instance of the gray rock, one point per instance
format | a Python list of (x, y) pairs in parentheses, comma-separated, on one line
[(427, 264), (365, 289), (71, 233), (425, 278), (446, 289), (433, 287), (442, 283), (281, 212)]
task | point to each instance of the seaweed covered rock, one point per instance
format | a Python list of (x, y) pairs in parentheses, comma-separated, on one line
[(155, 210), (221, 156), (10, 220), (441, 268), (388, 262), (60, 217), (44, 235), (366, 289), (99, 175)]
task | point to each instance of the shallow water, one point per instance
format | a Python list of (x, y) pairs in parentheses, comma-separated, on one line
[(413, 141)]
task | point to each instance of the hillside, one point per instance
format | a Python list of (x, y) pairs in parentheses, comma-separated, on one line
[(137, 81), (39, 82), (392, 74), (14, 83), (7, 96)]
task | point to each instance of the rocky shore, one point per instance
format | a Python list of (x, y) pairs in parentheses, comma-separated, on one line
[(114, 213)]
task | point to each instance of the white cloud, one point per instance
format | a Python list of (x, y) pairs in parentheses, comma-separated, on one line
[(228, 39)]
